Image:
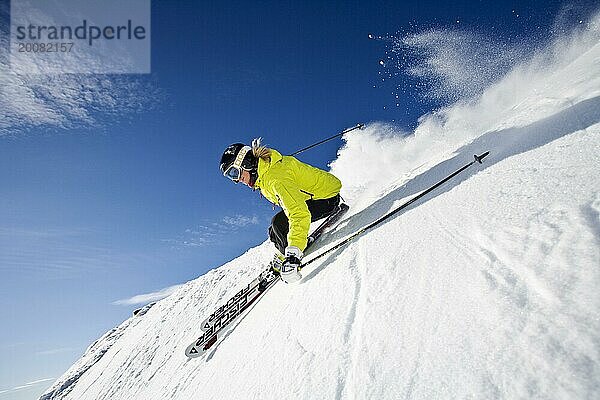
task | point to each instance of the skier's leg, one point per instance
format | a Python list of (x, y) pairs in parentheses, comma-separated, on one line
[(278, 231), (280, 225), (322, 208), (279, 228)]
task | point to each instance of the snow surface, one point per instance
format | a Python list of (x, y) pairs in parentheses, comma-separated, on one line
[(488, 287)]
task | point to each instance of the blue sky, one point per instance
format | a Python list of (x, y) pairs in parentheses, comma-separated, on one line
[(129, 200)]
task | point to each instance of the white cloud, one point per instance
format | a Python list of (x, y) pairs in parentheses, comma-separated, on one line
[(30, 98), (27, 385), (241, 220), (58, 253), (54, 351), (148, 297), (189, 242), (66, 101), (210, 232)]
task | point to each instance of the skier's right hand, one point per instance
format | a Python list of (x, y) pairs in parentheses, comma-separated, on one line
[(289, 270), (293, 257)]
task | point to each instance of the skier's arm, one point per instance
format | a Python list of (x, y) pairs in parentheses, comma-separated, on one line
[(293, 202)]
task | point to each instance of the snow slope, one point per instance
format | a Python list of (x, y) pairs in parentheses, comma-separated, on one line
[(486, 288)]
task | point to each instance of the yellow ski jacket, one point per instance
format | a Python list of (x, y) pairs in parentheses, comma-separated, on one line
[(287, 182)]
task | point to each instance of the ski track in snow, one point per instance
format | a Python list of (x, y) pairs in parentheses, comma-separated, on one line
[(485, 288), (351, 324)]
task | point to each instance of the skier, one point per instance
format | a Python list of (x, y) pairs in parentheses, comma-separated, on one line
[(305, 194)]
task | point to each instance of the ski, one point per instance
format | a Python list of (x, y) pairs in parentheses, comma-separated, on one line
[(216, 325), (219, 324), (233, 302), (242, 294), (341, 209)]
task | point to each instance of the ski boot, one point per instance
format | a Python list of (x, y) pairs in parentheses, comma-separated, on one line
[(276, 263)]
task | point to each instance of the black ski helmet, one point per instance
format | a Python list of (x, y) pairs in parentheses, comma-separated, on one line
[(249, 163)]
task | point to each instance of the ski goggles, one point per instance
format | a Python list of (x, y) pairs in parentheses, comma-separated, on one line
[(234, 171)]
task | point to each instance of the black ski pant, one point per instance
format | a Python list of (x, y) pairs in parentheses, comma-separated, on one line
[(280, 225)]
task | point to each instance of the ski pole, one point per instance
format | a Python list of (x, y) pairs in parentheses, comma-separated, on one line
[(403, 206), (358, 126)]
